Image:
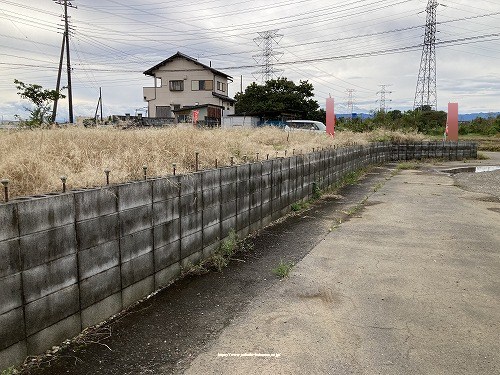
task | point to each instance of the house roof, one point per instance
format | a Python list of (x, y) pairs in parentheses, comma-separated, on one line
[(150, 71), (223, 97)]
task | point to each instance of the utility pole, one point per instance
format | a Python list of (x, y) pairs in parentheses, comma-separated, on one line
[(266, 40), (66, 4), (350, 102), (58, 84), (382, 100), (425, 93)]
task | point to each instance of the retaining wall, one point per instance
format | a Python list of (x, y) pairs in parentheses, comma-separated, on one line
[(69, 261)]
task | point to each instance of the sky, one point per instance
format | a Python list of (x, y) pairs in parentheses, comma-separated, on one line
[(348, 49)]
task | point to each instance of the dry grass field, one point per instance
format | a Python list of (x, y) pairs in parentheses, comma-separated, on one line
[(33, 160)]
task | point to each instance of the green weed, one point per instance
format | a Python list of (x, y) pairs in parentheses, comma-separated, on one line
[(283, 269), (481, 156), (9, 371)]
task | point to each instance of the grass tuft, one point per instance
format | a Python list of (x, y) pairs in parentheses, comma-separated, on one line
[(283, 269)]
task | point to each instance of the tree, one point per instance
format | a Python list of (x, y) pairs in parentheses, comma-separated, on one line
[(41, 99), (278, 95)]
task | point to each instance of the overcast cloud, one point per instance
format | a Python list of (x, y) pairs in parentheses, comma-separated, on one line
[(114, 41)]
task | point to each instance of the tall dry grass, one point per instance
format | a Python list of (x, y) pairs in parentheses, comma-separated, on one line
[(33, 160)]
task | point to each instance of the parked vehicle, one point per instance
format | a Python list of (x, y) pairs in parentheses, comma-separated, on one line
[(305, 125)]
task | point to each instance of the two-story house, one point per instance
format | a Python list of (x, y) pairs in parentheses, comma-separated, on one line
[(183, 85)]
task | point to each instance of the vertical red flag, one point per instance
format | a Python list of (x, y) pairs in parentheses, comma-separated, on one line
[(195, 116), (330, 116), (452, 122)]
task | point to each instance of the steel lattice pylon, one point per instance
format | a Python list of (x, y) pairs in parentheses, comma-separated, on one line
[(426, 93), (266, 40)]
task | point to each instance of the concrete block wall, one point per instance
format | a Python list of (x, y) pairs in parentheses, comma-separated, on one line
[(69, 261)]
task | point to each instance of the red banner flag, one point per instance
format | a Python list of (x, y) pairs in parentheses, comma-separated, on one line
[(195, 116)]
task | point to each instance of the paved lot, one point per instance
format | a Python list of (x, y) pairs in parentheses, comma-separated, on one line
[(409, 287)]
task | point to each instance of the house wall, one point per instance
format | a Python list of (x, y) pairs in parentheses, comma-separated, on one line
[(71, 260), (187, 71)]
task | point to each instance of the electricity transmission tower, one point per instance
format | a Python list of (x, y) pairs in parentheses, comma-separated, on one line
[(350, 102), (426, 93), (266, 40), (65, 45), (382, 99)]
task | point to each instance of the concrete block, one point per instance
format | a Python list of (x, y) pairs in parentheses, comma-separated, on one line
[(49, 278), (94, 232), (191, 224), (210, 179), (242, 203), (191, 244), (137, 291), (135, 194), (242, 220), (189, 204), (11, 294), (211, 216), (192, 259), (8, 221), (228, 192), (242, 188), (11, 328), (227, 226), (255, 199), (166, 188), (255, 215), (51, 309), (266, 181), (137, 269), (10, 257), (102, 310), (211, 234), (42, 247), (243, 232), (255, 226), (136, 219), (190, 184), (227, 175), (275, 191), (266, 220), (166, 211), (243, 172), (209, 250), (266, 209), (228, 210), (45, 213), (100, 286), (94, 203), (136, 244), (267, 166), (167, 255), (98, 259), (13, 355), (54, 335), (167, 275), (255, 170), (276, 168), (266, 195), (166, 233), (211, 197)]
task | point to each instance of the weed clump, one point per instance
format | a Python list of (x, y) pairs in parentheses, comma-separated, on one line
[(283, 269)]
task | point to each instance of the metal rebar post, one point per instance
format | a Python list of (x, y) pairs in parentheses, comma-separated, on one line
[(197, 155), (63, 180), (5, 183), (107, 171), (174, 167), (145, 169)]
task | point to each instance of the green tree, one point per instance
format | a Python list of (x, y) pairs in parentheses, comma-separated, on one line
[(41, 100), (279, 95)]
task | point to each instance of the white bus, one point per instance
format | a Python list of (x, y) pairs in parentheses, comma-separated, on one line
[(305, 125)]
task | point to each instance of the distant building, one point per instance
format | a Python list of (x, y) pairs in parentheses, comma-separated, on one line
[(183, 85)]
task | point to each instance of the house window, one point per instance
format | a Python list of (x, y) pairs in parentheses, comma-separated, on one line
[(176, 85), (203, 85), (221, 86)]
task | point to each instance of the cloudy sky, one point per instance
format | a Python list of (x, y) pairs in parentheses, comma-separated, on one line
[(338, 46)]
